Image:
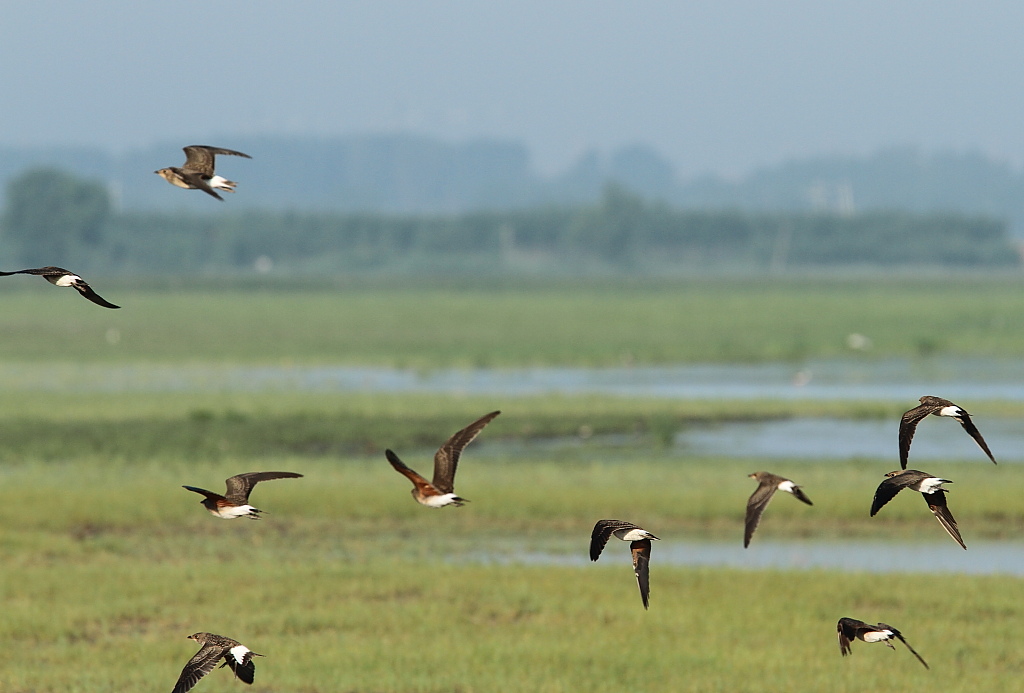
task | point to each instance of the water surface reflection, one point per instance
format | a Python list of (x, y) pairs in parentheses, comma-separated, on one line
[(890, 379), (981, 558), (811, 438)]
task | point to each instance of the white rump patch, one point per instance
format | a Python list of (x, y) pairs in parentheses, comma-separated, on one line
[(635, 534), (787, 486), (68, 280), (239, 652), (440, 501), (221, 183), (877, 635), (932, 484), (951, 411), (231, 512)]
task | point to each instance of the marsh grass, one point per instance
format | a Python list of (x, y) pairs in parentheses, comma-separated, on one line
[(204, 427), (327, 623), (515, 324), (106, 563), (348, 585)]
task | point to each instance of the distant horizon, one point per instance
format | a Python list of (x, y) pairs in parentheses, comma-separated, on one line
[(721, 88), (721, 174)]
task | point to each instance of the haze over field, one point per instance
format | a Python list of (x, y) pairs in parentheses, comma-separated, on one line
[(448, 108), (719, 88)]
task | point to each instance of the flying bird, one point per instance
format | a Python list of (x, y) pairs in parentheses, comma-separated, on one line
[(197, 171), (850, 629), (440, 491), (936, 406), (930, 488), (214, 648), (235, 502), (768, 484), (640, 546), (61, 277)]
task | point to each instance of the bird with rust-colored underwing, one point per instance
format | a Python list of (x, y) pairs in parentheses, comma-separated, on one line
[(440, 491), (235, 501)]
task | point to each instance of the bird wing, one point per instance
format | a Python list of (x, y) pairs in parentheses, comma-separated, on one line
[(200, 158), (40, 271), (798, 492), (908, 426), (87, 292), (446, 459), (758, 501), (418, 481), (972, 430), (886, 491), (198, 182), (936, 501), (899, 636), (603, 531), (846, 629), (240, 485), (641, 567), (209, 494), (199, 666), (245, 669)]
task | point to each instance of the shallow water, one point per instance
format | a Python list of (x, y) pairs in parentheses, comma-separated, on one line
[(981, 558), (890, 379), (849, 439)]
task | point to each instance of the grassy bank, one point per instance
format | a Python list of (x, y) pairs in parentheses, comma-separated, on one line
[(539, 495), (477, 325), (190, 426), (390, 626)]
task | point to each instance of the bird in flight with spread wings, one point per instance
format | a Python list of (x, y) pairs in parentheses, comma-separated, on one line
[(440, 491)]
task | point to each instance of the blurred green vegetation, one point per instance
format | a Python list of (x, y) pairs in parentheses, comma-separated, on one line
[(54, 216), (196, 426), (508, 323)]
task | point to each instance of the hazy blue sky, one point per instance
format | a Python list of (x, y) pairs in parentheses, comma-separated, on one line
[(715, 86)]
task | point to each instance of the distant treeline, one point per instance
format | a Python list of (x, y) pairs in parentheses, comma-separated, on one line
[(414, 174), (55, 218)]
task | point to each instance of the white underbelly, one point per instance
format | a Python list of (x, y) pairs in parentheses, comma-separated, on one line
[(231, 512), (439, 501)]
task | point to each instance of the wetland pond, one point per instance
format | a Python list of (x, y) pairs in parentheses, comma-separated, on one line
[(981, 558), (904, 380), (898, 380), (874, 380)]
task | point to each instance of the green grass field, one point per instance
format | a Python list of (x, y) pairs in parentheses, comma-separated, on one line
[(509, 325), (347, 585)]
